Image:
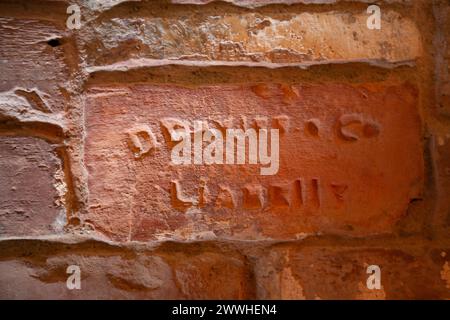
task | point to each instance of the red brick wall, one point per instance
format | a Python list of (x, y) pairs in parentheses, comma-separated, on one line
[(87, 177)]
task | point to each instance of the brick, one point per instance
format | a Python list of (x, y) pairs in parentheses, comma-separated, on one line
[(32, 188), (341, 273), (264, 39), (442, 56), (109, 273), (260, 3), (340, 169), (207, 276), (30, 66), (440, 146), (110, 277), (441, 149)]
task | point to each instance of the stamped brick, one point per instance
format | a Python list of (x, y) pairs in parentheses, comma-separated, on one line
[(350, 161), (32, 188)]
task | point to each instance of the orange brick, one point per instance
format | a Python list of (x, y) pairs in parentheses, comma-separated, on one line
[(342, 273), (350, 161)]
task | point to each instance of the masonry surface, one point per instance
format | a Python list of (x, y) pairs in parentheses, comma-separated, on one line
[(86, 176)]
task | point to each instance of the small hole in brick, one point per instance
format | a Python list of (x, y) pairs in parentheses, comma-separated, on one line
[(74, 221), (54, 42), (312, 128)]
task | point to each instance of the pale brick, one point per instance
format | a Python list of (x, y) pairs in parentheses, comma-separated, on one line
[(265, 39), (260, 3)]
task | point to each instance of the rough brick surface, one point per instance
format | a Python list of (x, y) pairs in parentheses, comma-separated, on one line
[(442, 157), (31, 67), (442, 36), (32, 188), (341, 273), (87, 178), (255, 38), (108, 273), (258, 3)]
